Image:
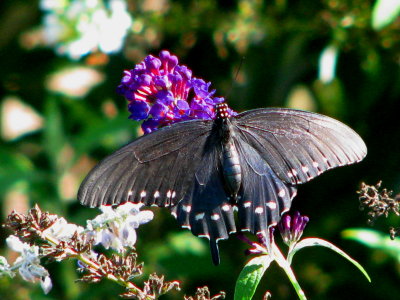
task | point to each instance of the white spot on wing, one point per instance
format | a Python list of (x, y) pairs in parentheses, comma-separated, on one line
[(156, 194), (215, 217), (186, 208), (315, 164), (271, 204), (174, 214), (247, 204), (226, 207), (130, 193), (305, 169), (199, 216), (169, 193), (259, 210), (282, 193), (143, 194)]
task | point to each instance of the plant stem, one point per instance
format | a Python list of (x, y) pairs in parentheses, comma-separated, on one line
[(284, 264)]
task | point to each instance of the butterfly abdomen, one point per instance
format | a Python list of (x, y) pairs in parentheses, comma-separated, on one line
[(231, 168)]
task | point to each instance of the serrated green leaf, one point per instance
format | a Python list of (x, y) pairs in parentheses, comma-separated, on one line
[(250, 277), (384, 12), (320, 242)]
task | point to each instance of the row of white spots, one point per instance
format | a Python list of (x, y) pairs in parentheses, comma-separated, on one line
[(306, 170), (260, 209), (169, 194)]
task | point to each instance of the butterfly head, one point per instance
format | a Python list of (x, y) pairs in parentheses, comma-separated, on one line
[(222, 111)]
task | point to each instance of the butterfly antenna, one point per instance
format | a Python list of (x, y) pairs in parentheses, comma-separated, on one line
[(236, 76)]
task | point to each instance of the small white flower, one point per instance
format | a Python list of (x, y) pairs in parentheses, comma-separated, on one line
[(62, 230), (5, 268), (46, 284), (115, 228), (28, 263), (15, 244)]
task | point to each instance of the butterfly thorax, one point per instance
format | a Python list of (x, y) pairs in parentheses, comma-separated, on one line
[(231, 170)]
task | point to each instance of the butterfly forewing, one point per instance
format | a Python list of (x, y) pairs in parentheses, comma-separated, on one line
[(154, 169), (299, 145)]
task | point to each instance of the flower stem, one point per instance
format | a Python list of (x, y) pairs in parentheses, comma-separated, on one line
[(284, 264)]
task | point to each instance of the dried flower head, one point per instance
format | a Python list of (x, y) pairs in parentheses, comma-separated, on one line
[(378, 202), (204, 294)]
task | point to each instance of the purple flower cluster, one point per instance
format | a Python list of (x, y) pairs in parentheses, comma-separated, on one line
[(161, 92), (291, 227)]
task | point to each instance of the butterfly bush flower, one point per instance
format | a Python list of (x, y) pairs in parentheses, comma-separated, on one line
[(28, 263), (115, 228), (62, 230), (291, 227), (161, 92)]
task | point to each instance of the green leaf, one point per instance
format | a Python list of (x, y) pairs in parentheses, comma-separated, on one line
[(384, 12), (250, 277), (319, 242), (374, 239)]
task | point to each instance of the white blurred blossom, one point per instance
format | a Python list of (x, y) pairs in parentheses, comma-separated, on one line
[(28, 263), (115, 228), (78, 27)]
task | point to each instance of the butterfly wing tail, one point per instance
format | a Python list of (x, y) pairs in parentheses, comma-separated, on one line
[(214, 252)]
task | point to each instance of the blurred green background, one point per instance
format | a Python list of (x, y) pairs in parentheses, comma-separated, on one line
[(62, 60)]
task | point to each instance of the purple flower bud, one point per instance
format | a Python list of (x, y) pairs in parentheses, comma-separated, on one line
[(152, 64), (159, 110), (292, 227), (149, 125), (139, 109)]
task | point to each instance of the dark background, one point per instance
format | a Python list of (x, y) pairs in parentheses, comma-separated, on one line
[(280, 43)]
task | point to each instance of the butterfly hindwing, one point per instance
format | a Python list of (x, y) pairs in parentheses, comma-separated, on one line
[(264, 197), (206, 210)]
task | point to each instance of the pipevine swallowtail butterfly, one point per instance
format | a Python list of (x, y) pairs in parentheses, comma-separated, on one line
[(204, 169)]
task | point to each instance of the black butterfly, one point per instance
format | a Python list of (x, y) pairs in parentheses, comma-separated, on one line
[(204, 169)]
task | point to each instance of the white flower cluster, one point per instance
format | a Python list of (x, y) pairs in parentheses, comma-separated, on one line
[(28, 263), (78, 27), (113, 228)]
